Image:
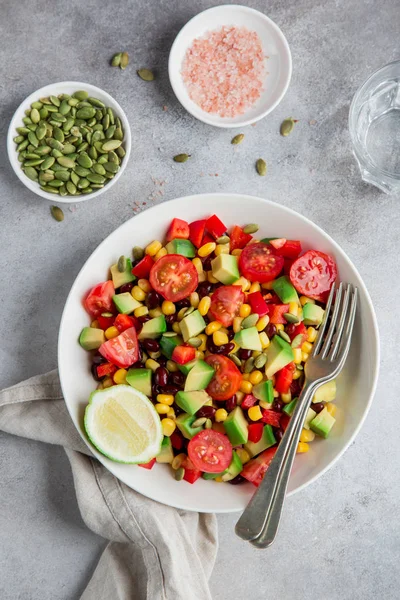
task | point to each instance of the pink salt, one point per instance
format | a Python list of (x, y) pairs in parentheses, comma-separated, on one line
[(224, 71)]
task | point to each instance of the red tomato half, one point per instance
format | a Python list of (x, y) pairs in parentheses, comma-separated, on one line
[(215, 226), (313, 274), (239, 239), (122, 350), (227, 377), (276, 312), (177, 230), (183, 354), (283, 379), (100, 299), (174, 277), (197, 232), (258, 262), (291, 249), (142, 269), (225, 304), (210, 451), (254, 470)]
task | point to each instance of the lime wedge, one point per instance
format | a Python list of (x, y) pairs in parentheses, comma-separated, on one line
[(123, 424)]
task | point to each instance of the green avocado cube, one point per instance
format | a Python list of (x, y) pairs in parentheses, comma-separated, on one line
[(264, 391), (166, 455), (235, 467), (124, 277), (289, 408), (168, 344), (199, 376), (322, 423), (191, 402), (326, 393), (140, 379), (91, 338), (192, 325), (184, 424), (187, 367), (182, 247), (312, 314), (225, 268), (285, 290), (309, 417), (125, 303), (267, 440), (236, 427), (248, 339), (153, 329), (279, 354)]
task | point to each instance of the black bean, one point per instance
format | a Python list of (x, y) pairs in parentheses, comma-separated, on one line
[(170, 319), (207, 262), (204, 288), (318, 406), (162, 361), (206, 411), (169, 389), (153, 300), (270, 330), (177, 379), (161, 376), (98, 359), (231, 403), (151, 345), (277, 405), (278, 433), (244, 354), (145, 318), (185, 303), (94, 373), (236, 480), (226, 348), (126, 288)]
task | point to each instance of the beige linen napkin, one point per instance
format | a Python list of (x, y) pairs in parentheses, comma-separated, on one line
[(154, 551)]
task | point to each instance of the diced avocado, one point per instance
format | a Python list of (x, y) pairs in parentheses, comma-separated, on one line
[(192, 325), (191, 402), (199, 377), (310, 415), (322, 423), (153, 329), (285, 290), (279, 354), (91, 338), (326, 393), (264, 391), (140, 379), (209, 476), (187, 367), (166, 454), (234, 468), (183, 247), (248, 339), (122, 278), (267, 240), (312, 314), (168, 343), (289, 408), (125, 303), (236, 427), (225, 268), (184, 424), (267, 440)]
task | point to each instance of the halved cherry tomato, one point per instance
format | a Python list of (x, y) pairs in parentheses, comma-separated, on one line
[(271, 417), (255, 432), (142, 269), (295, 330), (176, 440), (197, 232), (105, 322), (255, 469), (258, 304), (174, 277), (215, 226), (258, 262), (183, 354), (225, 304), (248, 401), (276, 313), (122, 350), (149, 465), (210, 451), (239, 239), (283, 379), (123, 322), (105, 369), (291, 249), (191, 473), (100, 299), (227, 377), (313, 274), (178, 229)]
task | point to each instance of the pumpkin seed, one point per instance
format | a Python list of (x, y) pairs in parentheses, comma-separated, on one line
[(74, 178), (63, 175), (71, 188), (18, 139), (50, 190), (238, 139), (208, 424), (46, 177), (87, 112), (181, 158), (22, 146), (63, 191), (111, 145), (287, 126), (110, 113), (40, 131), (33, 139), (56, 183), (261, 167), (284, 336), (56, 153), (22, 130), (235, 359), (68, 149), (57, 213), (54, 100), (111, 167), (121, 152), (81, 171), (297, 341), (58, 134), (224, 239), (199, 422), (80, 95), (252, 228), (84, 160), (83, 183), (35, 116), (37, 105), (93, 153), (137, 253), (34, 162), (47, 163), (116, 59), (250, 321), (145, 74), (260, 361), (95, 178), (112, 157), (27, 121), (291, 318), (110, 131), (124, 60), (179, 474), (42, 150), (31, 173), (118, 135), (83, 146), (249, 365), (64, 161), (121, 264), (299, 367), (31, 155), (195, 342)]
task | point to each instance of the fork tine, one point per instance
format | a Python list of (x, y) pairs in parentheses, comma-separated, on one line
[(346, 339), (319, 340), (341, 324), (328, 340)]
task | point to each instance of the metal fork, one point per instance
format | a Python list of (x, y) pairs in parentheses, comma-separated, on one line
[(260, 520)]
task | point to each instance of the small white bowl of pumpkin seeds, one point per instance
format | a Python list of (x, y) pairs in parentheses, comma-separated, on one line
[(69, 142)]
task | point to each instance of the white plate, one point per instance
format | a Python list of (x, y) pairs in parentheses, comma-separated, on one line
[(275, 46), (356, 385), (54, 89)]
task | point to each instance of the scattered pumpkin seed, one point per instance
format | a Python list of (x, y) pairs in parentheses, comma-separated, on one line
[(238, 139), (57, 213), (250, 321), (251, 228), (284, 336), (124, 60), (137, 253), (291, 318), (116, 59), (145, 74), (179, 474), (261, 167), (181, 158), (287, 126)]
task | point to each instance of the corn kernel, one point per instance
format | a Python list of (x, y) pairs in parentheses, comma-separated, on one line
[(279, 327), (220, 338), (162, 252), (219, 479), (198, 264), (293, 308), (244, 310), (107, 382), (268, 286), (224, 330), (95, 324), (151, 364), (237, 324), (255, 287), (246, 386), (236, 252), (168, 308), (162, 409), (144, 285), (306, 347), (305, 356), (307, 435), (171, 413), (138, 293), (165, 399), (331, 408), (264, 339), (199, 355), (153, 248), (297, 374), (204, 305), (120, 376), (212, 327), (254, 413), (172, 366), (194, 299), (155, 312), (276, 394), (256, 377), (302, 447), (206, 249), (203, 346), (221, 415), (297, 356), (141, 311), (262, 323), (221, 249), (168, 426), (305, 300), (311, 334), (211, 278), (246, 376), (265, 405), (243, 455), (111, 332), (286, 398), (244, 284), (202, 277), (218, 427), (176, 327)]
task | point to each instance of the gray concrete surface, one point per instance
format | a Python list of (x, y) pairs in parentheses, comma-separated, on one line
[(340, 538)]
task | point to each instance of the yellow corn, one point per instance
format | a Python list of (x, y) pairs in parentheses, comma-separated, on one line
[(254, 413), (168, 308), (307, 435), (168, 425), (162, 252), (286, 398), (244, 284), (266, 405), (111, 332), (162, 409), (221, 249), (236, 252), (151, 364), (237, 323), (202, 277), (218, 427), (212, 327), (243, 455), (220, 338), (302, 447), (153, 248), (194, 299), (171, 413), (293, 308), (178, 460), (306, 347), (221, 415), (305, 300), (305, 356), (255, 287), (276, 394), (297, 374), (311, 334), (268, 286), (331, 408), (107, 382), (219, 479), (256, 377), (198, 264), (165, 399), (95, 324), (203, 346), (279, 327), (246, 386), (144, 285), (141, 311), (138, 293), (262, 323), (211, 278), (155, 312), (204, 305), (199, 355), (297, 356), (176, 327), (244, 310), (246, 376), (120, 376), (206, 249), (172, 366), (264, 339)]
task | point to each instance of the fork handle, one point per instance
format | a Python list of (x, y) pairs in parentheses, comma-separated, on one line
[(262, 515)]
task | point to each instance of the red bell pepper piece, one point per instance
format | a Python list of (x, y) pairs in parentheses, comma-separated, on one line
[(215, 226), (105, 322), (178, 229), (255, 432), (271, 417), (123, 322), (183, 354), (148, 465), (177, 440), (258, 304), (106, 369), (283, 379), (196, 232), (206, 239), (248, 401), (276, 313), (284, 421), (239, 239), (191, 473), (142, 269), (291, 249)]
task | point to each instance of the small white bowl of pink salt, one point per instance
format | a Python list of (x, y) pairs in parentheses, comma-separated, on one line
[(230, 66)]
